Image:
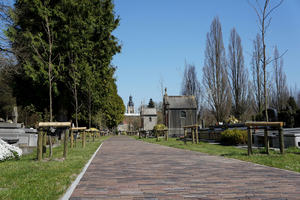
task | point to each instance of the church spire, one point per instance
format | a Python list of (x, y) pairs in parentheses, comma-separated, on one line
[(130, 106)]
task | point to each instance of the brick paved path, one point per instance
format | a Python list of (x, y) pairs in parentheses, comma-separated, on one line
[(125, 168)]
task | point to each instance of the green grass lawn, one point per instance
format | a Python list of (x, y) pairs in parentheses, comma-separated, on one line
[(30, 179), (289, 161)]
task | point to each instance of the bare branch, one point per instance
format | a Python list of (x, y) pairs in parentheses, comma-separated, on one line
[(274, 8)]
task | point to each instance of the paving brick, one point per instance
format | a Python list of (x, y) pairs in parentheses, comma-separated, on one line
[(125, 168)]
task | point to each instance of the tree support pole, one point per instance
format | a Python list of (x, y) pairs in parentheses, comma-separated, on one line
[(83, 139), (72, 138), (193, 136), (281, 140), (166, 135), (196, 130), (249, 141), (44, 144), (266, 140), (39, 145), (76, 139), (185, 134), (66, 143)]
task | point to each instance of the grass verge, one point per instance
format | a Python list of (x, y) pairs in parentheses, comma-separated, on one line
[(49, 179), (290, 161)]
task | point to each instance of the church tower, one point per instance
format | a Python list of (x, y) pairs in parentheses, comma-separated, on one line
[(130, 106)]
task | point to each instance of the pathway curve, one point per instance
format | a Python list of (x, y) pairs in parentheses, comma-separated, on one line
[(125, 168)]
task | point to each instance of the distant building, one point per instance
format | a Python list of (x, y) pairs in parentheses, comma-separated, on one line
[(148, 118), (130, 106), (131, 120), (179, 111)]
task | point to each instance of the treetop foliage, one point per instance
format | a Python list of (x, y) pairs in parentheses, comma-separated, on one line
[(151, 104), (66, 47)]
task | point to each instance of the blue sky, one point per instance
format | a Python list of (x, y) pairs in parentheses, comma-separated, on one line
[(158, 36)]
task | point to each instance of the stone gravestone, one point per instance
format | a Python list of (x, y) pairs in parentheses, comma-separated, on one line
[(15, 115)]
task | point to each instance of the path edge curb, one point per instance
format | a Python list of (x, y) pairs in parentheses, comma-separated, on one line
[(70, 190)]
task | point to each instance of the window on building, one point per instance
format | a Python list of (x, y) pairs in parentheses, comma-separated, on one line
[(150, 119), (182, 114)]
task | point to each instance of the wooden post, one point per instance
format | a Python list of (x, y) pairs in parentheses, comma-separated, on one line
[(166, 135), (76, 138), (39, 145), (72, 138), (196, 135), (157, 134), (139, 134), (281, 140), (94, 133), (83, 139), (44, 144), (66, 143), (184, 139), (266, 140), (249, 141), (193, 136)]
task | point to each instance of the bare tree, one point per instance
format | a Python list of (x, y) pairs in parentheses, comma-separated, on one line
[(74, 84), (295, 93), (5, 20), (44, 55), (215, 79), (257, 73), (190, 84), (264, 22), (160, 86), (298, 98), (280, 89), (7, 100), (8, 64), (238, 76)]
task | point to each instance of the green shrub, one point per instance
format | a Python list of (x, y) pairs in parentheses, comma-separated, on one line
[(234, 136), (258, 117), (123, 133), (286, 117), (158, 126)]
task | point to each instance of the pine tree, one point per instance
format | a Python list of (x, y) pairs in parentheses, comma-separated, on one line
[(151, 104), (76, 40)]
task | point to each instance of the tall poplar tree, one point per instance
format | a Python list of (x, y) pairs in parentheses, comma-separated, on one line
[(238, 76), (215, 79), (257, 74), (280, 89)]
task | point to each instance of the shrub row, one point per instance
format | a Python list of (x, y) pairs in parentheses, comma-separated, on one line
[(290, 118)]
